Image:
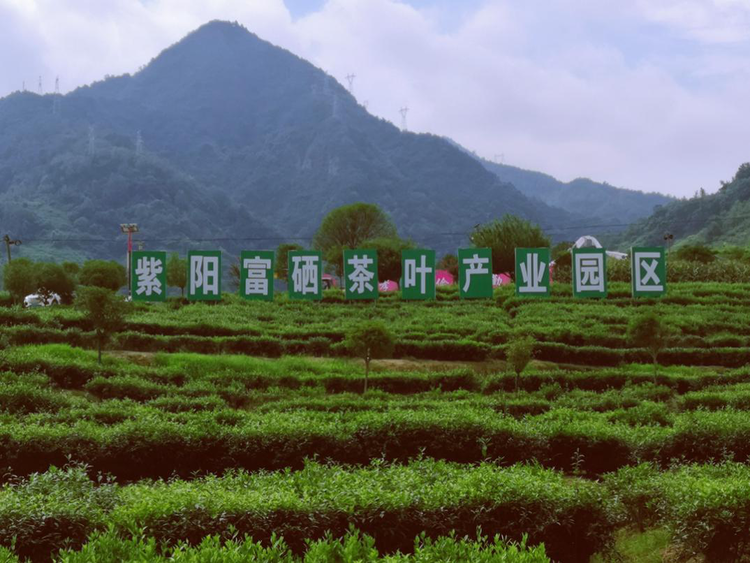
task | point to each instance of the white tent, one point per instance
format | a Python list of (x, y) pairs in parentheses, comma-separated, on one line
[(587, 241)]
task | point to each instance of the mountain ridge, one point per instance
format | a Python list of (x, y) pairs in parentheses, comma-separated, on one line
[(259, 143)]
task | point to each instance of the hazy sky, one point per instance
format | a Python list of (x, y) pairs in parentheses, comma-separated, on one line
[(644, 94)]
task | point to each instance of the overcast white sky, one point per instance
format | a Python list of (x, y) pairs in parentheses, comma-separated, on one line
[(644, 94)]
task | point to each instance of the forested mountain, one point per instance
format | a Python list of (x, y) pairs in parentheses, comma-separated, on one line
[(225, 136), (723, 217), (608, 204)]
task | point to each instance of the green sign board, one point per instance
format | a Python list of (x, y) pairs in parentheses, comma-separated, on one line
[(361, 274), (204, 275), (475, 273), (148, 275), (532, 272), (305, 275), (256, 274), (418, 274), (589, 272), (648, 269)]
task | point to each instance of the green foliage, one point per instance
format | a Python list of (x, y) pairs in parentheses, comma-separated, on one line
[(72, 269), (369, 340), (527, 504), (504, 236), (52, 278), (104, 311), (282, 259), (177, 272), (648, 330), (519, 353), (695, 253), (449, 262), (19, 278), (347, 227), (389, 256), (353, 547), (103, 273)]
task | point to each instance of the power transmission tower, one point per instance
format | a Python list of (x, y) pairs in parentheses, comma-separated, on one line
[(8, 243), (403, 111), (350, 79), (23, 85), (40, 91), (500, 158)]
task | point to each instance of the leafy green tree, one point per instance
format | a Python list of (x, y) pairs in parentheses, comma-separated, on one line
[(52, 278), (107, 274), (72, 269), (519, 352), (647, 330), (449, 262), (19, 278), (104, 309), (389, 255), (177, 272), (369, 340), (349, 225), (282, 259), (695, 253), (504, 236), (561, 254)]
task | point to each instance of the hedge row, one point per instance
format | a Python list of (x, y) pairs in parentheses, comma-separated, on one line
[(352, 548), (143, 442), (705, 507), (391, 504)]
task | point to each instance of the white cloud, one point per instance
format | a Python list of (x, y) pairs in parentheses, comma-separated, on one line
[(648, 94)]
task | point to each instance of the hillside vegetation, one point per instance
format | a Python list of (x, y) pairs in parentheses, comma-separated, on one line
[(715, 219)]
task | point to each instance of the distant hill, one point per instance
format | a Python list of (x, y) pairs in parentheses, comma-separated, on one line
[(231, 142), (602, 202), (723, 217)]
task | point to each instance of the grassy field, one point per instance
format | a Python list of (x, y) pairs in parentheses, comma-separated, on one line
[(211, 432)]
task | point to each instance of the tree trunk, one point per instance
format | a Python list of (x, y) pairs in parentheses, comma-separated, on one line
[(99, 341)]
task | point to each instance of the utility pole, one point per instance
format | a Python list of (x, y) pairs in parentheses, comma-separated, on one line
[(129, 229), (669, 239), (8, 243)]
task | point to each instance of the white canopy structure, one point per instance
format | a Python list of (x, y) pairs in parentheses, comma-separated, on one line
[(587, 241)]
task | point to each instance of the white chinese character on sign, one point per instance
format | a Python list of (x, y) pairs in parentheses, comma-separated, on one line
[(204, 274), (305, 274), (648, 279), (476, 265), (532, 274), (589, 272), (256, 281), (147, 272), (361, 276), (411, 270)]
